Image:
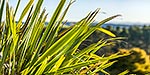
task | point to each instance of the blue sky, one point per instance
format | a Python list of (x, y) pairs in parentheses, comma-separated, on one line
[(134, 11)]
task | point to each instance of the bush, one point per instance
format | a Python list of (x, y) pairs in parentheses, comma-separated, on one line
[(138, 62), (27, 48)]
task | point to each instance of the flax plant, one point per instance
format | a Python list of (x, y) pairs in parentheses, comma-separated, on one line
[(31, 48)]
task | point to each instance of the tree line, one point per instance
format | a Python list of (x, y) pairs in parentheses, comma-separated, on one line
[(136, 36)]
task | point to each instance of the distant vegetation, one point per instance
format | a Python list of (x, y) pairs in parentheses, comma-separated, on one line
[(138, 62), (136, 42), (136, 36)]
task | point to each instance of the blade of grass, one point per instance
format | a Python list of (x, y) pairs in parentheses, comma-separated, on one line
[(1, 11), (24, 12), (18, 3), (54, 33), (106, 20), (14, 36), (58, 64), (106, 32), (124, 72), (46, 32), (41, 68)]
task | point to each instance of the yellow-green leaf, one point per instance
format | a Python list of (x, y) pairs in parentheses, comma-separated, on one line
[(106, 32)]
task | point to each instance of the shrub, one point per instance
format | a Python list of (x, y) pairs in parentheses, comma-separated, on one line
[(27, 48)]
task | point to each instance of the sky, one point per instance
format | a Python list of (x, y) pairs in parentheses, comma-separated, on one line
[(132, 11)]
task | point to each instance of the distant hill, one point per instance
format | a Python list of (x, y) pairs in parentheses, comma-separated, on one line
[(114, 25)]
